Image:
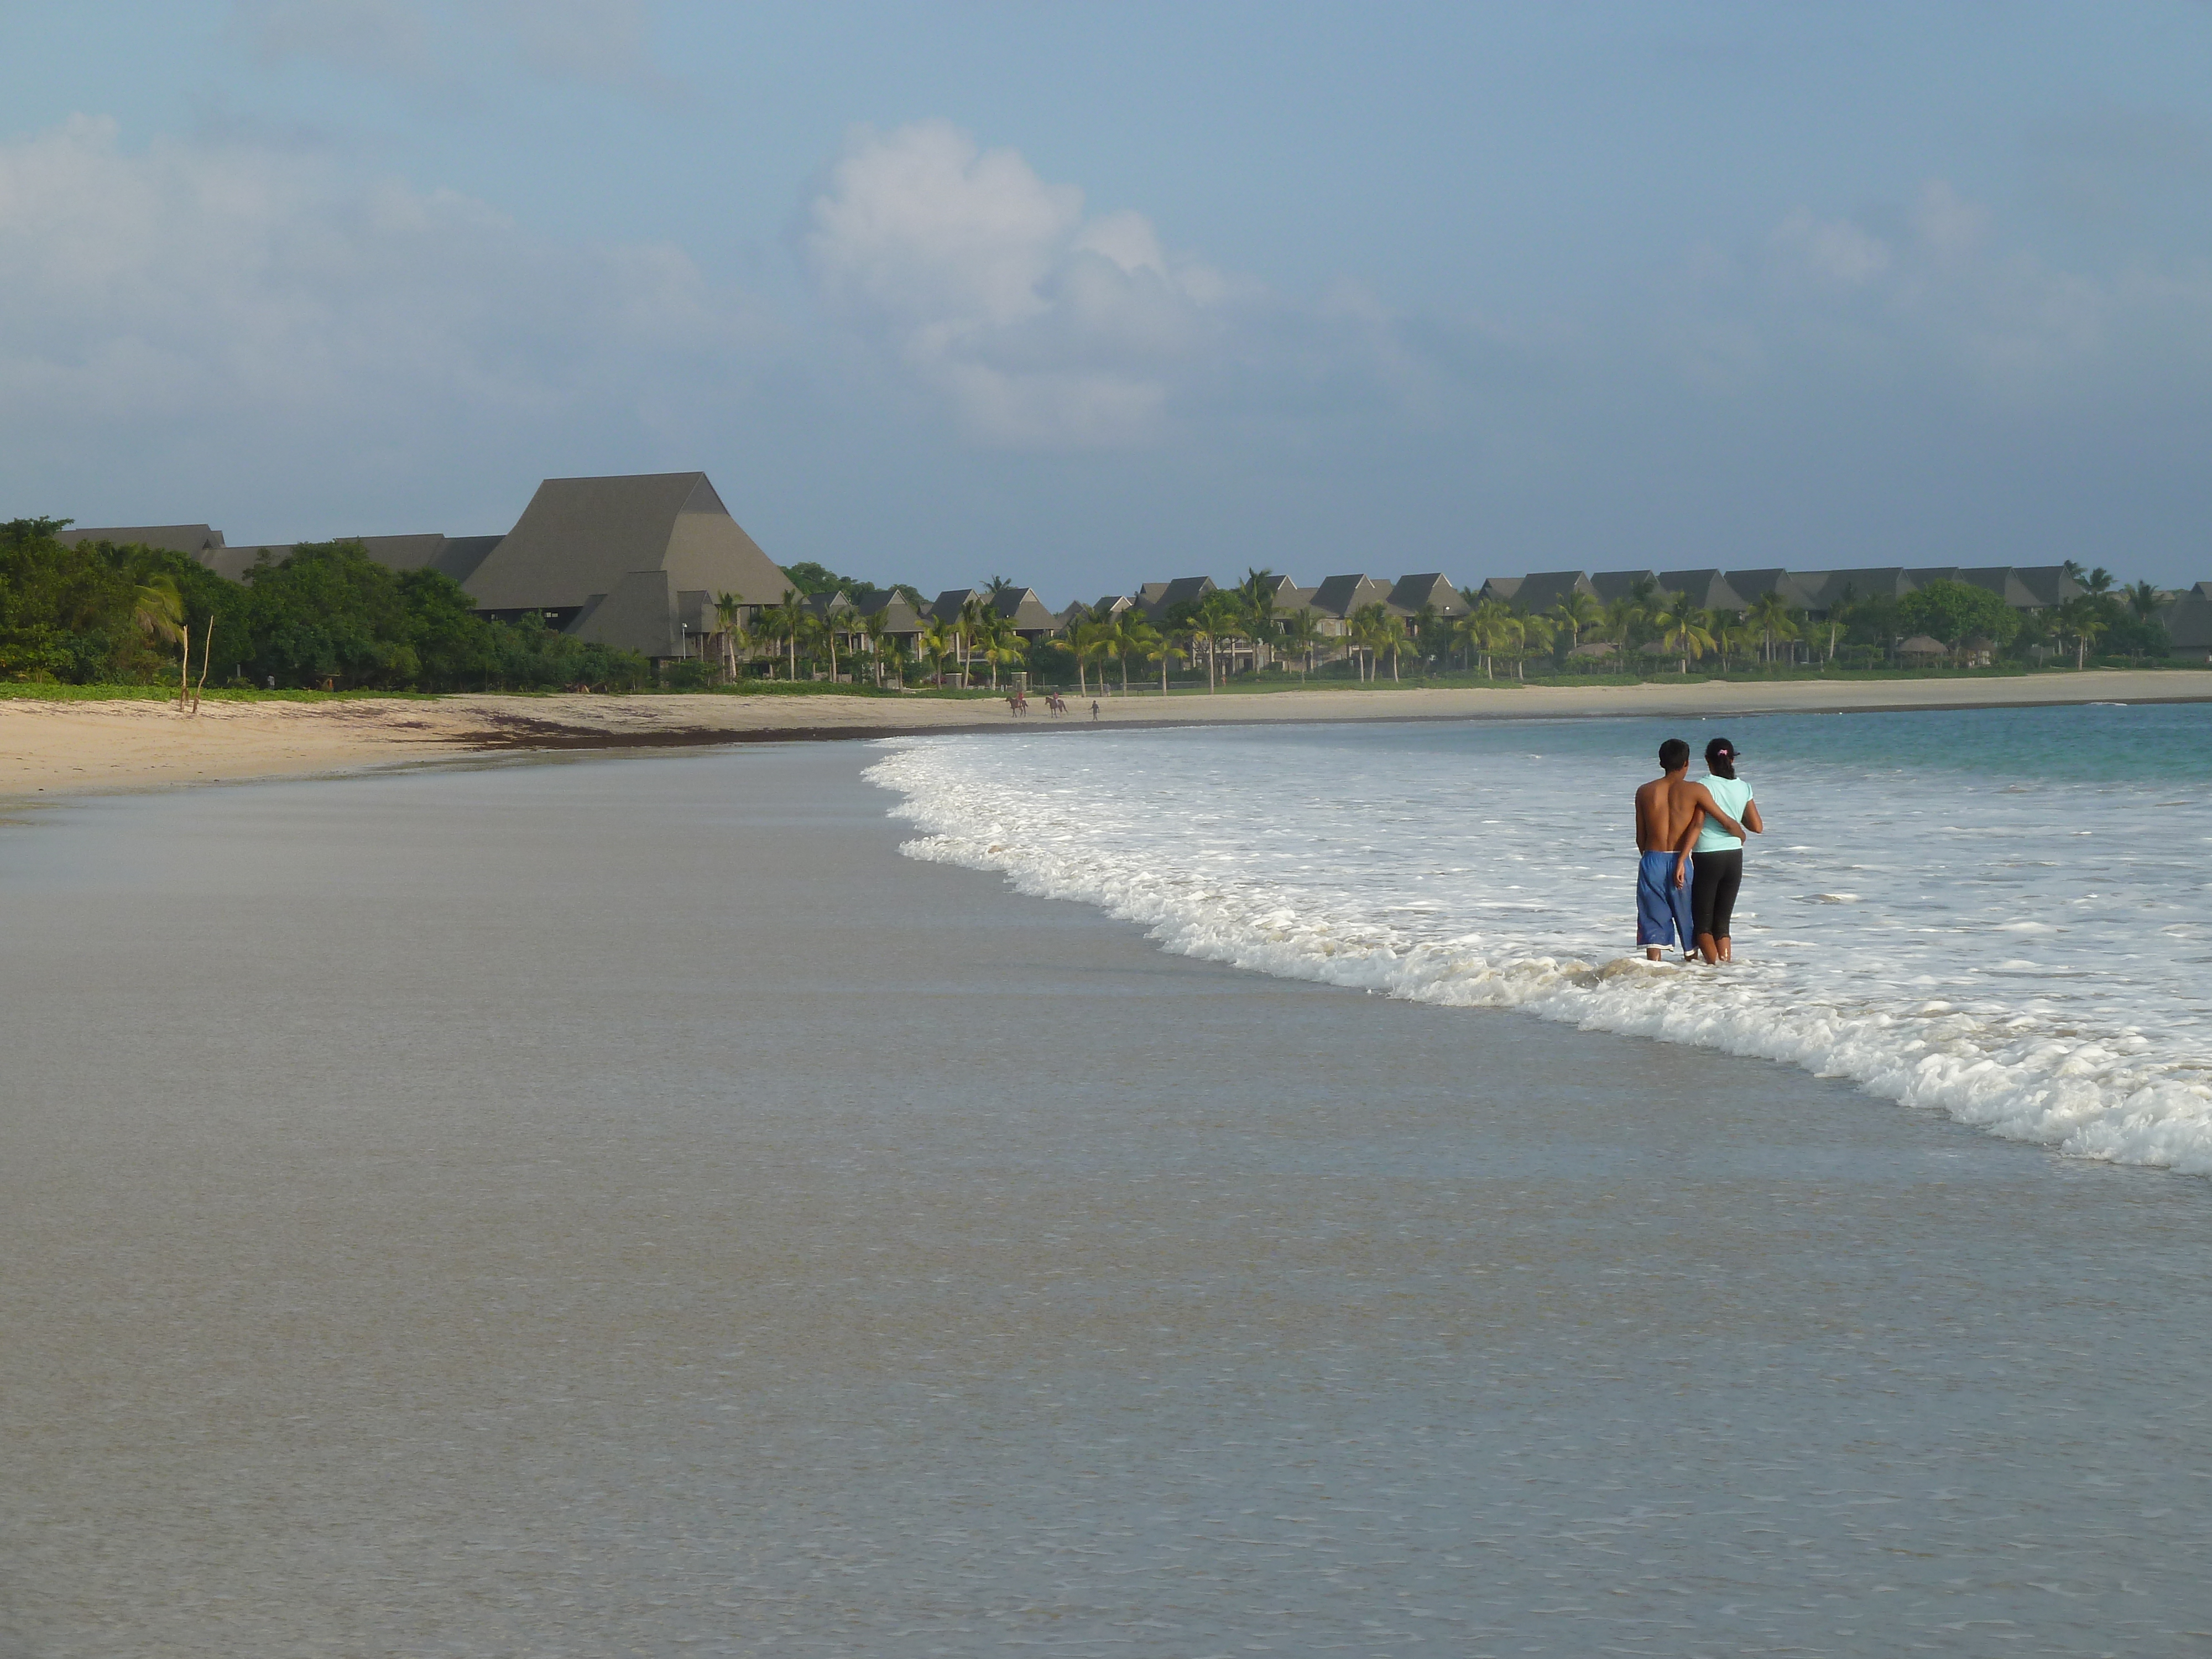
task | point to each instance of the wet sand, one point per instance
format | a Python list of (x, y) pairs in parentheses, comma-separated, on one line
[(579, 1207), (53, 748)]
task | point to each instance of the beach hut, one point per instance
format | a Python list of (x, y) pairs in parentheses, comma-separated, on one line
[(1922, 650)]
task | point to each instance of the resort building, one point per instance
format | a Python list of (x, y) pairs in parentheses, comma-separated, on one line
[(635, 562)]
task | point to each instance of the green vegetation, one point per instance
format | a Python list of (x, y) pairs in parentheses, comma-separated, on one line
[(329, 617)]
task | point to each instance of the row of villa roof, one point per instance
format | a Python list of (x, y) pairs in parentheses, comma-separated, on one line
[(637, 561), (1817, 592)]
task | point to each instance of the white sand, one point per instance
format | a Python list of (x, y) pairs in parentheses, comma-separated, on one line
[(50, 749)]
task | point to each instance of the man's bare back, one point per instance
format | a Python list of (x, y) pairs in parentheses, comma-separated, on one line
[(1668, 809)]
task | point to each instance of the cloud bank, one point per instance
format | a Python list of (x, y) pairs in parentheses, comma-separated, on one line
[(1041, 325), (196, 290)]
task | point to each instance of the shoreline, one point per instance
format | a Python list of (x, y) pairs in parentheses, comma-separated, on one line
[(56, 750)]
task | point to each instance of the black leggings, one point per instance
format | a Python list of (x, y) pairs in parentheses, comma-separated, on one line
[(1712, 892)]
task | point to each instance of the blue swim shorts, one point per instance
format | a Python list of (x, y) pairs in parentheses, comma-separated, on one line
[(1662, 909)]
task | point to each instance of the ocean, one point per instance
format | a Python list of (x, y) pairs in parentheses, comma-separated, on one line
[(1998, 915)]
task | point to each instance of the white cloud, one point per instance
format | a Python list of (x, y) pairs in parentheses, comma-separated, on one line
[(1833, 249), (1043, 326), (190, 290)]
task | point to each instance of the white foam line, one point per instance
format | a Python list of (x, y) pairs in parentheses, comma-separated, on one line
[(2088, 1095)]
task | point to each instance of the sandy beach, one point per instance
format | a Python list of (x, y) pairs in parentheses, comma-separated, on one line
[(58, 749), (574, 1210)]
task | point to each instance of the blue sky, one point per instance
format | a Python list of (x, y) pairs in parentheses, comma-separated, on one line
[(1093, 295)]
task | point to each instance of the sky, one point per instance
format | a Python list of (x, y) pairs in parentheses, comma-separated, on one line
[(1092, 294)]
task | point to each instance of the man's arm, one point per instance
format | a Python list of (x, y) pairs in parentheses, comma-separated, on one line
[(1682, 847), (1707, 803)]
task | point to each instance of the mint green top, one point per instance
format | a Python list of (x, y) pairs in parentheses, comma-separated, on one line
[(1731, 794)]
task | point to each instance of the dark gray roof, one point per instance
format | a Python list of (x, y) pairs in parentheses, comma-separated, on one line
[(899, 614), (235, 563), (2047, 583), (1612, 585), (193, 539), (1501, 588), (2188, 619), (1887, 582), (1923, 574), (1021, 606), (2005, 583), (637, 614), (461, 555), (1339, 596), (452, 556), (1803, 591), (1541, 590), (580, 537), (1709, 590), (1155, 598), (1412, 592)]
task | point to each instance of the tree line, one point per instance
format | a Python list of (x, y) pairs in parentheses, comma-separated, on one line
[(329, 617)]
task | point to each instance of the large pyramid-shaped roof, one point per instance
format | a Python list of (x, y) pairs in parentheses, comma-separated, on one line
[(579, 537)]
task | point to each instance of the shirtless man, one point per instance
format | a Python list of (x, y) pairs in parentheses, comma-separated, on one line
[(1669, 811)]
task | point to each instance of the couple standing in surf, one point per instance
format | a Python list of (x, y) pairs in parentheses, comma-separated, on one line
[(1677, 820)]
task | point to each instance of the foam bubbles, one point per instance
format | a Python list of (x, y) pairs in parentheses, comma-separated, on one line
[(1444, 867)]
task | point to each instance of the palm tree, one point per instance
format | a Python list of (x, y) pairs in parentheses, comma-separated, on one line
[(890, 653), (1684, 630), (1001, 643), (995, 586), (1574, 611), (2099, 580), (1486, 631), (1537, 634), (823, 629), (1162, 649), (1374, 627), (1197, 632), (1769, 615), (1508, 636), (1300, 631), (1090, 641), (1256, 595), (728, 610), (2145, 599), (1133, 636), (786, 621), (1224, 616), (2081, 620), (975, 611), (937, 644), (159, 610)]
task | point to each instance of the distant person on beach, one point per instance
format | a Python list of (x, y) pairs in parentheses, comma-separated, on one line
[(1719, 854), (1669, 812), (1094, 708)]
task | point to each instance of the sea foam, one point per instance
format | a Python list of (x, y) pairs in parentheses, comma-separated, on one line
[(2027, 962)]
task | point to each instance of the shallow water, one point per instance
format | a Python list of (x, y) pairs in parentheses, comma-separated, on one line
[(624, 1208), (1999, 914)]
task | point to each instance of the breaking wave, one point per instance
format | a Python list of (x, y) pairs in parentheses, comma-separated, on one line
[(1993, 966)]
